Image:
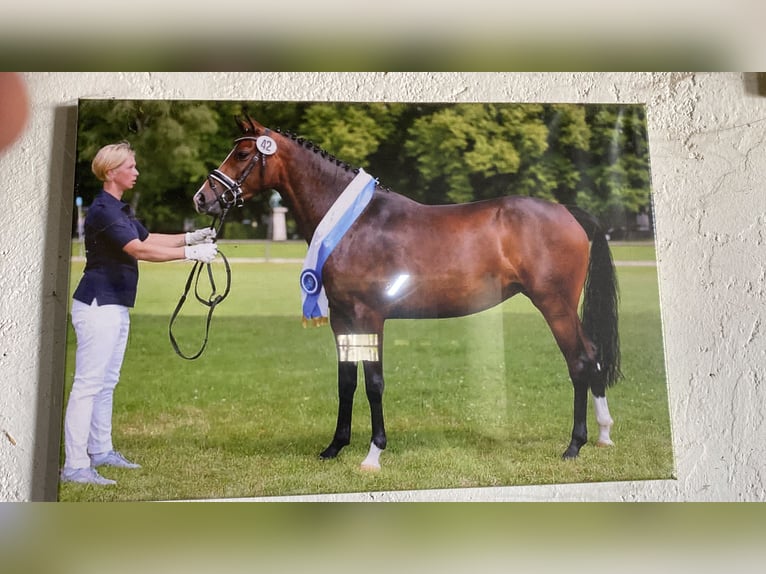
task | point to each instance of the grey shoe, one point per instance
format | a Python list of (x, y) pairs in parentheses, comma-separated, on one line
[(85, 476), (112, 458)]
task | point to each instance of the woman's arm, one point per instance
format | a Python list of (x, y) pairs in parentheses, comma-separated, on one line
[(204, 235), (166, 240), (157, 250)]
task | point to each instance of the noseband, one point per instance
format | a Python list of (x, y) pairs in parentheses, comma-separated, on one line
[(232, 190)]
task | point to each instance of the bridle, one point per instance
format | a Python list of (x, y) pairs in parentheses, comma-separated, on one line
[(232, 189), (231, 196)]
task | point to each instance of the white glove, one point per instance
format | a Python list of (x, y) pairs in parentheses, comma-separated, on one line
[(205, 235), (204, 252)]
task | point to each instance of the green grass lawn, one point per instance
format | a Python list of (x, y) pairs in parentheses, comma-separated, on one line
[(478, 401)]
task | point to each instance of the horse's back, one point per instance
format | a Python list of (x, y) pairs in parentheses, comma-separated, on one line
[(518, 215)]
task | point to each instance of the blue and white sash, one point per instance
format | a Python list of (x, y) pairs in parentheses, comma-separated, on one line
[(341, 216)]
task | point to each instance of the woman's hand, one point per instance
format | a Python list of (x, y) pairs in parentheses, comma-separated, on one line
[(205, 235), (205, 252)]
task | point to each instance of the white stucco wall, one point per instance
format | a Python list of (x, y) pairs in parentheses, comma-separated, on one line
[(707, 141)]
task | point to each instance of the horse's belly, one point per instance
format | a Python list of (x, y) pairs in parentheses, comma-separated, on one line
[(428, 298)]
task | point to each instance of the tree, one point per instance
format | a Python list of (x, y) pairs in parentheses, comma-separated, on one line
[(173, 142), (595, 156), (617, 179), (350, 132), (460, 149), (568, 139)]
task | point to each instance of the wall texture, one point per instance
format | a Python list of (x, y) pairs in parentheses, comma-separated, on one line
[(707, 140)]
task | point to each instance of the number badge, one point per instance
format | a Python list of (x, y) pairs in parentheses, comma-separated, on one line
[(266, 145)]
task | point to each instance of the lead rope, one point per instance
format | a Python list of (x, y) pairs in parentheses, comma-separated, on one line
[(210, 302)]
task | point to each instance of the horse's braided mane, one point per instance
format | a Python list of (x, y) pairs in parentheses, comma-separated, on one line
[(303, 142)]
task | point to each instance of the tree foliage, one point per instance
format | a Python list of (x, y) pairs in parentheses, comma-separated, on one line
[(595, 156)]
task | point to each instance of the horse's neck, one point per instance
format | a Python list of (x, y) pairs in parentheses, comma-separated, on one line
[(314, 190)]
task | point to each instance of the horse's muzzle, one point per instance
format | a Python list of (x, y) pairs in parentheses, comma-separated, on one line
[(202, 206)]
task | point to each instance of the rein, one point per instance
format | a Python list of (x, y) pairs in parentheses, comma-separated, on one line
[(211, 302), (230, 196)]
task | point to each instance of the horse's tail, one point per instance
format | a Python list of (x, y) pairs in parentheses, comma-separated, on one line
[(600, 301)]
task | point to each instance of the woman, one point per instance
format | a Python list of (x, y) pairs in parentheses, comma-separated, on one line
[(114, 243)]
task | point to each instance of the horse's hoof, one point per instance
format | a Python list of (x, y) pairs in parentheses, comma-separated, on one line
[(330, 452), (605, 443), (325, 455), (366, 467), (571, 453)]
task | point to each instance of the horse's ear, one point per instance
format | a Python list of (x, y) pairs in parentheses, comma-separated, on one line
[(248, 125), (254, 126)]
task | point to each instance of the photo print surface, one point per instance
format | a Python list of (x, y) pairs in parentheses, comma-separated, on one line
[(402, 297)]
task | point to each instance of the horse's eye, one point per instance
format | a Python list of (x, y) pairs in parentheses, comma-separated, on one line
[(242, 155)]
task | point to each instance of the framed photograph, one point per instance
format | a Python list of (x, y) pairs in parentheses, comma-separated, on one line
[(363, 297)]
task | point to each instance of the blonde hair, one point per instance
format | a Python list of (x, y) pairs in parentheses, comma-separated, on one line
[(110, 157)]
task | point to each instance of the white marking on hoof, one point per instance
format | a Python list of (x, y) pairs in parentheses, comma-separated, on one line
[(605, 443), (372, 461)]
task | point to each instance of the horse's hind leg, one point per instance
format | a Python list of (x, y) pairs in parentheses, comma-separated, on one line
[(584, 374), (561, 316), (604, 420), (580, 412), (601, 408)]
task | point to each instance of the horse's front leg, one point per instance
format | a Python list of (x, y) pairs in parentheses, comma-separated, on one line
[(347, 375), (373, 380)]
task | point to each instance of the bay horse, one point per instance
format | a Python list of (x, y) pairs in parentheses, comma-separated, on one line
[(456, 260)]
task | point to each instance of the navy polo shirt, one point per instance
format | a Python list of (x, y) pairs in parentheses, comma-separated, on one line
[(111, 275)]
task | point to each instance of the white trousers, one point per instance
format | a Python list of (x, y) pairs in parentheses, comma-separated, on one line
[(102, 335)]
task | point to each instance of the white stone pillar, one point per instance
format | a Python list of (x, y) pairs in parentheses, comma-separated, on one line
[(278, 224)]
